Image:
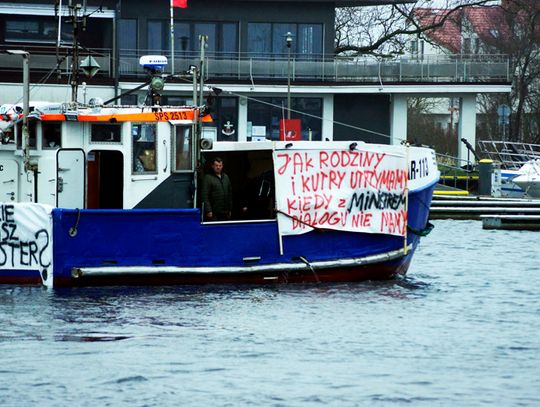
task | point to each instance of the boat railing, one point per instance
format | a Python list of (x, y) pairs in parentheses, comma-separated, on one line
[(456, 172), (510, 154)]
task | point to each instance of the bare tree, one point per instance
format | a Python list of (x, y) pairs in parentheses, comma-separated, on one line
[(384, 30), (523, 48)]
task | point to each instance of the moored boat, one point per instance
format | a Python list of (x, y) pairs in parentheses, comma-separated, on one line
[(101, 194)]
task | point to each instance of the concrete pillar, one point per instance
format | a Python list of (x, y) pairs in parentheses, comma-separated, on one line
[(242, 119), (398, 118), (467, 126), (328, 117)]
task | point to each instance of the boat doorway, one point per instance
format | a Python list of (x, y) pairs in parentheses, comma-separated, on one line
[(105, 185)]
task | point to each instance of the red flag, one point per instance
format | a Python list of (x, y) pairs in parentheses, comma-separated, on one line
[(179, 3)]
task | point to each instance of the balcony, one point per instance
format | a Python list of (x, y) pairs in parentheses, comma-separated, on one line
[(312, 69)]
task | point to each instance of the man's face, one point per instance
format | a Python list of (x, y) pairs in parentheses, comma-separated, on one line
[(217, 167)]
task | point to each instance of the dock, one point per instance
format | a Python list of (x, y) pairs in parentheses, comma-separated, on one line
[(495, 213), (511, 222)]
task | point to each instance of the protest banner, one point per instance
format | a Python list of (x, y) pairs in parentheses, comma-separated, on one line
[(360, 190)]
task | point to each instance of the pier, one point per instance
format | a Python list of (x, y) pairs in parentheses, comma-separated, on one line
[(495, 213)]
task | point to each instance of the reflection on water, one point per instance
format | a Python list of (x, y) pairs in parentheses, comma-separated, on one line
[(460, 329)]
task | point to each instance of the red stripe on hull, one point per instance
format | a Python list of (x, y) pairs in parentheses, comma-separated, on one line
[(20, 280)]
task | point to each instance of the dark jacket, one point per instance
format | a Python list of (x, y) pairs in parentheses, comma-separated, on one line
[(217, 194)]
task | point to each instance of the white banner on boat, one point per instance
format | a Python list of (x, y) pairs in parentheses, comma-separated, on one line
[(25, 236), (360, 190)]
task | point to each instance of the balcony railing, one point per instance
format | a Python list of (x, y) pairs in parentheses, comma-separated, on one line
[(312, 68)]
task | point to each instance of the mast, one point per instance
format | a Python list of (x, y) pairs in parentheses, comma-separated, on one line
[(78, 21)]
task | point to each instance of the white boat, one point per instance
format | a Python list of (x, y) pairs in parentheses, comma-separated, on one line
[(528, 178)]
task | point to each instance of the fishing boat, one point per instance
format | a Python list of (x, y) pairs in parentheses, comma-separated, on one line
[(102, 194)]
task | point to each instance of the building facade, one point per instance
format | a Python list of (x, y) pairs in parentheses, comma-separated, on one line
[(250, 69)]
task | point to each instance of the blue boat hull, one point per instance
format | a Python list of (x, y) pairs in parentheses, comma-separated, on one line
[(166, 246)]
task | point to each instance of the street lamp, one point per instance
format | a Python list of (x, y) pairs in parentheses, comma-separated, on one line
[(288, 41), (26, 102)]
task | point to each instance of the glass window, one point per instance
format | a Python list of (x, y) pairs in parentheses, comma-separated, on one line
[(266, 38), (182, 38), (144, 148), (127, 34), (466, 46), (259, 38), (31, 134), (51, 135), (309, 40), (279, 36), (183, 148), (269, 115), (208, 29), (101, 133), (156, 40), (34, 29), (130, 100), (229, 39)]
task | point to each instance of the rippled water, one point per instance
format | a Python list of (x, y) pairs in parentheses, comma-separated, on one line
[(462, 329)]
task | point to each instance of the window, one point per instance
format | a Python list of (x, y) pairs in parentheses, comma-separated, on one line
[(127, 34), (414, 48), (466, 46), (183, 148), (34, 29), (144, 148), (51, 135), (130, 100), (222, 37), (259, 39), (267, 117), (157, 39), (269, 38), (309, 40), (102, 133), (31, 134)]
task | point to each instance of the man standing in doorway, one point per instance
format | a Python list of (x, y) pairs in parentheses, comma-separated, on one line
[(217, 193)]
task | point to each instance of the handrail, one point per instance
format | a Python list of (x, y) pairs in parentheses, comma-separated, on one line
[(250, 67)]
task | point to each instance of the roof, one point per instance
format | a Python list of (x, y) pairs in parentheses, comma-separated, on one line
[(488, 23)]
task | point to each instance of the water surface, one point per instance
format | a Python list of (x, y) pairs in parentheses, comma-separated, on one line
[(462, 329)]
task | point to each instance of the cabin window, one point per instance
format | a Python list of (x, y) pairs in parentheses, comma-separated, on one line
[(106, 133), (31, 134), (183, 148), (144, 148), (51, 135)]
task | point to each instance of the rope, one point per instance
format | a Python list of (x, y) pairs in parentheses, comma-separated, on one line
[(422, 232), (73, 230)]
